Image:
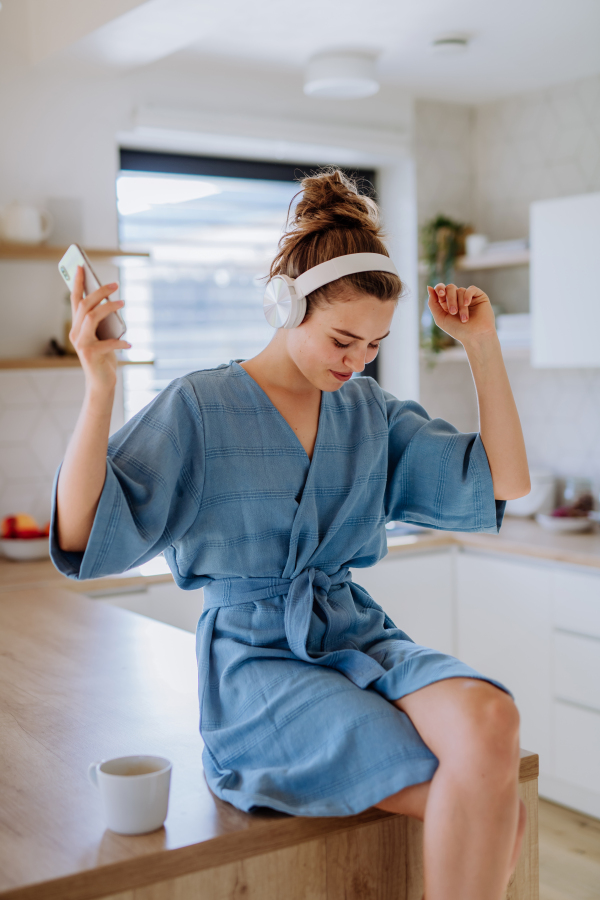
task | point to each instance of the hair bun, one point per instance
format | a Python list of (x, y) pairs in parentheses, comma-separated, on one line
[(333, 219), (331, 200)]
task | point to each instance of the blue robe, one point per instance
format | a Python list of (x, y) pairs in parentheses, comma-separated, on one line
[(297, 663)]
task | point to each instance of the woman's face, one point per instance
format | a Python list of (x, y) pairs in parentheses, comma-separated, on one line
[(339, 339)]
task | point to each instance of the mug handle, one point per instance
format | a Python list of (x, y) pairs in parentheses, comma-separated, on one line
[(47, 224), (93, 773)]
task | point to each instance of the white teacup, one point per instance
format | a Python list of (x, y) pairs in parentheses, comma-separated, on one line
[(134, 791)]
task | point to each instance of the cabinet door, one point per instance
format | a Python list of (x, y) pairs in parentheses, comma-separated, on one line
[(577, 738), (564, 234), (164, 602), (417, 593), (504, 631), (576, 601)]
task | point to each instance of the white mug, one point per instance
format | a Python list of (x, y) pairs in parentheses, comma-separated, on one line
[(134, 792), (25, 224)]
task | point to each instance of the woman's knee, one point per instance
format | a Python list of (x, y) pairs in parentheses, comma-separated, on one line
[(488, 723)]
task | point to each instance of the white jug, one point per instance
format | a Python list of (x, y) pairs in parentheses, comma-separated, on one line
[(24, 224)]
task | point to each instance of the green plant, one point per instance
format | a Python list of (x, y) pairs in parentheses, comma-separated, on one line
[(442, 240)]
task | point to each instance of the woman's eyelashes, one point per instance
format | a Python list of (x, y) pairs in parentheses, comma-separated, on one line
[(340, 345)]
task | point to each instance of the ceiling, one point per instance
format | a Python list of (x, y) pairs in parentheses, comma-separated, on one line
[(516, 45)]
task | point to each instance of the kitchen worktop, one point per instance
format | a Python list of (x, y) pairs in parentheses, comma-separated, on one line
[(523, 537)]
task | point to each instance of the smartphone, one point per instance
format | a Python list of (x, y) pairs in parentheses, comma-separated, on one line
[(111, 327)]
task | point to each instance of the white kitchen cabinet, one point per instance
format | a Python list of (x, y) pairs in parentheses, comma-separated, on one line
[(416, 591), (565, 313), (504, 631), (163, 601), (575, 780), (577, 670), (576, 601), (577, 741)]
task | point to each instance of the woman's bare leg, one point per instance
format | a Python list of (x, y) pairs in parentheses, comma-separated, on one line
[(474, 822)]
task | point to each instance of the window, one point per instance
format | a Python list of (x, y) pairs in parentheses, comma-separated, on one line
[(211, 227)]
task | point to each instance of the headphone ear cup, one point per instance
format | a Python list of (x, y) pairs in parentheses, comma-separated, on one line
[(297, 312), (281, 306)]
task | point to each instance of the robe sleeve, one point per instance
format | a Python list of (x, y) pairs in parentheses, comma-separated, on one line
[(152, 492), (437, 476)]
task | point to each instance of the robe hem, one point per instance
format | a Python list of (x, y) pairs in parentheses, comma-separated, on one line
[(422, 769)]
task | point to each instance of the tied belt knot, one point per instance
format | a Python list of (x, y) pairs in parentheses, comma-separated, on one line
[(300, 594)]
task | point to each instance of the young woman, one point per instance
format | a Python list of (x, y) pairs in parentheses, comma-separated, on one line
[(263, 481)]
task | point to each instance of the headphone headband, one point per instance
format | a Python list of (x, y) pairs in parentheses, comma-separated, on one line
[(336, 268), (285, 298)]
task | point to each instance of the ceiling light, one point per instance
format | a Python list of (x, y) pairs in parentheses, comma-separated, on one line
[(343, 75), (450, 45)]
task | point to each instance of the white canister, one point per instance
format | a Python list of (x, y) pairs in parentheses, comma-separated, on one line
[(540, 499), (23, 224), (476, 244), (134, 792)]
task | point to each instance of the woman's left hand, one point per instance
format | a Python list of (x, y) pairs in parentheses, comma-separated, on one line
[(463, 313)]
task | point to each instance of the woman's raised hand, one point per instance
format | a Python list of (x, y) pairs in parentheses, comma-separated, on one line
[(97, 357), (463, 313)]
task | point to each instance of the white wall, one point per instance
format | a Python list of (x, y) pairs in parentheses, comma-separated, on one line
[(531, 147), (444, 164), (444, 159)]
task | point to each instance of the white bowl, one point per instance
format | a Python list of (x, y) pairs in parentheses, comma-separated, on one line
[(25, 548), (564, 524), (541, 498)]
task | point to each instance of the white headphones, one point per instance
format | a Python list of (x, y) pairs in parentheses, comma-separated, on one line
[(285, 298)]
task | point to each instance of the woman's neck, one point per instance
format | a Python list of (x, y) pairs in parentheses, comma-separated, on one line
[(273, 368)]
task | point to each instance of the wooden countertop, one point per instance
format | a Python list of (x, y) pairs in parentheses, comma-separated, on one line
[(521, 537), (524, 537), (41, 573), (80, 681)]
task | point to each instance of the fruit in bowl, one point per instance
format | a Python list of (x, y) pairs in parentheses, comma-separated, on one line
[(579, 516), (22, 538), (578, 510)]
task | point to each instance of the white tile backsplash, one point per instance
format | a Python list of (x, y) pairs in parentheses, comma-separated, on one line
[(538, 145), (38, 412), (559, 410)]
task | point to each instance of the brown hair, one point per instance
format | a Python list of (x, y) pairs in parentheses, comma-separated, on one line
[(333, 219)]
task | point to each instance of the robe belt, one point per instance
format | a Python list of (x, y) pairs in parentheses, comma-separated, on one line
[(302, 591)]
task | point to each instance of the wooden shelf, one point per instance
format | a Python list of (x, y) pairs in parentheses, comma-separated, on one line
[(486, 261), (48, 253), (457, 354), (59, 362), (493, 261)]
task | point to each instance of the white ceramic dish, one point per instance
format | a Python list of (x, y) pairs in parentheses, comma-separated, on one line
[(25, 548), (564, 524), (541, 498)]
